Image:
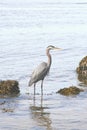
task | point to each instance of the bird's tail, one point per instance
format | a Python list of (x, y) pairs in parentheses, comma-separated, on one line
[(30, 83)]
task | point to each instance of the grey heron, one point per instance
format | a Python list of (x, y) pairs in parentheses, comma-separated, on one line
[(42, 70)]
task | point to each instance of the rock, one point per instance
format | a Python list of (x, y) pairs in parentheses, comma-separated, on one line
[(72, 90), (9, 87), (82, 70), (82, 66)]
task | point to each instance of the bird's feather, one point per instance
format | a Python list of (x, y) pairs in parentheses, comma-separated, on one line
[(39, 73)]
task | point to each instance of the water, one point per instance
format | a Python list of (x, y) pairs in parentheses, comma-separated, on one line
[(26, 29)]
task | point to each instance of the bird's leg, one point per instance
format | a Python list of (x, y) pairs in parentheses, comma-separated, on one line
[(41, 100), (42, 87), (34, 88), (34, 93)]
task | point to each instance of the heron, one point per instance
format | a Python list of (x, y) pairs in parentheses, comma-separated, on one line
[(42, 70)]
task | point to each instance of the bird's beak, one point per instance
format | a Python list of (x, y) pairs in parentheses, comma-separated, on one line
[(56, 48)]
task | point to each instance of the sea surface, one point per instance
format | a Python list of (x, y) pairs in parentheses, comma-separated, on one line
[(27, 27)]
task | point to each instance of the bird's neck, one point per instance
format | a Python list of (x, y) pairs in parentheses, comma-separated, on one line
[(49, 57)]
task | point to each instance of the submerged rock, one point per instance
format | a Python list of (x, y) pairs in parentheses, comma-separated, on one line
[(7, 110), (72, 90), (82, 70), (9, 87)]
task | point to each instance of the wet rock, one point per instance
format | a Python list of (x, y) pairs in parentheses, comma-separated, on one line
[(82, 70), (9, 87), (82, 66), (72, 90)]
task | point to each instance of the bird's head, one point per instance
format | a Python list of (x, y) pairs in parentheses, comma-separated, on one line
[(50, 47)]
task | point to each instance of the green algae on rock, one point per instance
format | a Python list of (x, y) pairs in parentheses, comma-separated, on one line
[(9, 87), (82, 70), (72, 90)]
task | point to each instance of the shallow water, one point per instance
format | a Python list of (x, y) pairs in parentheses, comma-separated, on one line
[(26, 29)]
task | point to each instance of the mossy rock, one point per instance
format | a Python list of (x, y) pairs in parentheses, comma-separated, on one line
[(72, 90), (9, 87), (82, 70)]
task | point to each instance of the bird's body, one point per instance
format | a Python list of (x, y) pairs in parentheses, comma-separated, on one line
[(42, 70), (39, 73)]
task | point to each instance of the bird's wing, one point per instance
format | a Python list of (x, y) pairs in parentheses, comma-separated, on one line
[(39, 73)]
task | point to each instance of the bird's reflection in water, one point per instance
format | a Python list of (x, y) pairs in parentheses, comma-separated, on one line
[(40, 115)]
